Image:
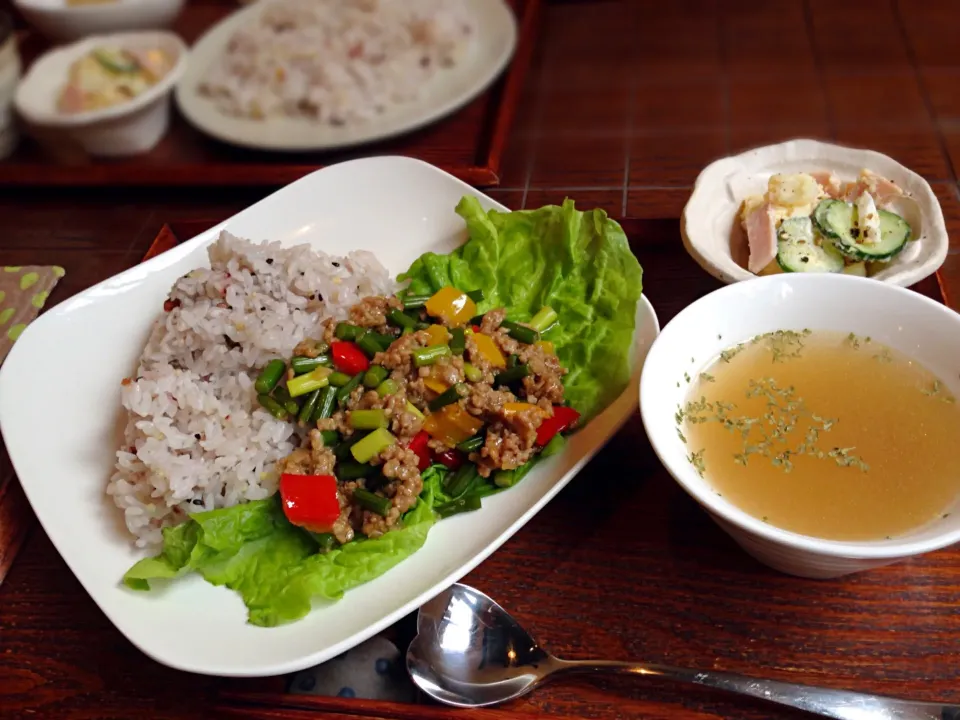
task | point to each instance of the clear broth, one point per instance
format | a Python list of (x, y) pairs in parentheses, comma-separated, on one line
[(829, 435)]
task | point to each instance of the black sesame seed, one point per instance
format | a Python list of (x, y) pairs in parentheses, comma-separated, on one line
[(335, 264), (269, 261), (197, 501), (197, 435)]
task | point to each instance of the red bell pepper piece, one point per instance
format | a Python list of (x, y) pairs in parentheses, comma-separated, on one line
[(476, 328), (563, 417), (419, 446), (453, 459), (310, 501), (348, 358)]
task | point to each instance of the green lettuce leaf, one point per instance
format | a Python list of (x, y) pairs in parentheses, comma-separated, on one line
[(578, 263), (274, 565)]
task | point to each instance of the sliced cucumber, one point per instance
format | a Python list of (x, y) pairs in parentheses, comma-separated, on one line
[(838, 220), (798, 250), (116, 61)]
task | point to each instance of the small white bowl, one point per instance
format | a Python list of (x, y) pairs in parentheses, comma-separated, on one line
[(710, 223), (63, 23), (901, 319), (127, 129)]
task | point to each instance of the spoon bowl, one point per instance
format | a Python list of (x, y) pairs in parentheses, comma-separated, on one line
[(469, 652)]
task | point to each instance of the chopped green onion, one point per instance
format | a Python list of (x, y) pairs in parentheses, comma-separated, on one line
[(346, 331), (326, 541), (387, 387), (309, 407), (475, 295), (422, 325), (380, 439), (449, 396), (513, 361), (328, 399), (544, 318), (330, 438), (554, 446), (368, 419), (375, 375), (369, 344), (455, 507), (414, 410), (343, 393), (457, 482), (373, 503), (353, 470), (272, 406), (505, 377), (313, 380), (270, 376), (415, 301), (302, 364), (282, 396), (339, 379), (458, 341), (504, 478), (520, 332), (401, 320), (384, 339), (471, 444), (472, 372), (429, 355)]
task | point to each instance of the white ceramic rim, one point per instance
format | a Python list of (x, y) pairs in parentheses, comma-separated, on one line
[(935, 229), (80, 47), (201, 113), (686, 476)]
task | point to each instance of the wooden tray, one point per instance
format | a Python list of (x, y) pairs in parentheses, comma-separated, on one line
[(657, 245), (468, 144)]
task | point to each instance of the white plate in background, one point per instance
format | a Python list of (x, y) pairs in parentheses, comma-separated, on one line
[(395, 207), (496, 39)]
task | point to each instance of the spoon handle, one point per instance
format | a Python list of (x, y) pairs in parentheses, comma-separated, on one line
[(840, 704)]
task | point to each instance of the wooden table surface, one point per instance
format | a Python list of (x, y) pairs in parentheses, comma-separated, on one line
[(626, 102)]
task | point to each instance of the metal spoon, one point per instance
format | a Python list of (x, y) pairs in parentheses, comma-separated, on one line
[(469, 652)]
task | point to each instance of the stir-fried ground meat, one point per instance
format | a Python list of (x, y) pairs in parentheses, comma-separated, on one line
[(306, 348), (508, 416), (371, 312)]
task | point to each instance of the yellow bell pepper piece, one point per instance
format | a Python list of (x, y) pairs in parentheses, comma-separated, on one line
[(451, 305), (452, 425), (511, 409), (547, 346), (438, 335), (438, 386), (489, 350)]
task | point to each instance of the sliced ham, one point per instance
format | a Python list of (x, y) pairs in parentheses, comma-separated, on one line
[(760, 226), (829, 182), (882, 190)]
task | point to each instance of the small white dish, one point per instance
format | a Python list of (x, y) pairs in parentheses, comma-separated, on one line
[(396, 207), (495, 41), (64, 23), (126, 129), (923, 329), (710, 223)]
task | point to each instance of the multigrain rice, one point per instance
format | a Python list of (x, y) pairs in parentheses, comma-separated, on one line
[(337, 62), (196, 438)]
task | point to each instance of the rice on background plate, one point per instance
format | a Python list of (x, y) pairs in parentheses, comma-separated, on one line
[(337, 62), (196, 438)]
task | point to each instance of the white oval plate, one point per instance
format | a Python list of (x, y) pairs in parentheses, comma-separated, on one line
[(710, 216), (395, 207), (448, 91)]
